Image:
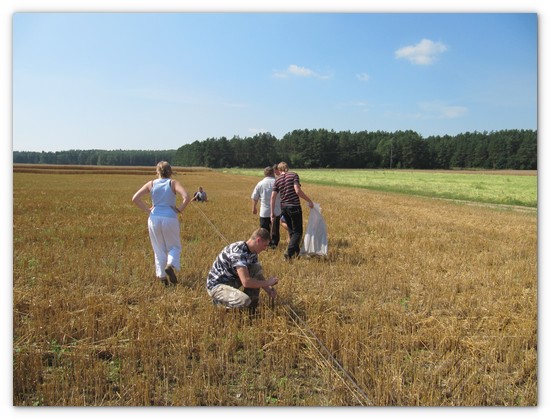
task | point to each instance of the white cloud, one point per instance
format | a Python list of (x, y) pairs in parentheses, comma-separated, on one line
[(452, 112), (294, 70), (299, 71), (425, 52), (363, 77)]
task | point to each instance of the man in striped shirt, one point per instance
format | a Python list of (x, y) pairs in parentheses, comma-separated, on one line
[(290, 190), (237, 266)]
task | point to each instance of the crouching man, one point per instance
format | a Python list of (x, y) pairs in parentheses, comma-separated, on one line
[(237, 266)]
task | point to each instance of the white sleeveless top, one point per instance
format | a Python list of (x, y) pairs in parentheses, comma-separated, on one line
[(164, 199)]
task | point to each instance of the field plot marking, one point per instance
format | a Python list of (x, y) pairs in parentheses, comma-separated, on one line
[(314, 340)]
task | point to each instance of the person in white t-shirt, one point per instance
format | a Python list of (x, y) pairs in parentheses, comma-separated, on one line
[(262, 193)]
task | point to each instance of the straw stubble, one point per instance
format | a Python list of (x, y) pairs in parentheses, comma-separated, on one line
[(422, 302)]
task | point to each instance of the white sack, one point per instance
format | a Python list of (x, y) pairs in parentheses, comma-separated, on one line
[(315, 238)]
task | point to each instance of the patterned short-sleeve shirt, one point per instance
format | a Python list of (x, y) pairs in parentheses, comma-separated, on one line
[(284, 185), (224, 269)]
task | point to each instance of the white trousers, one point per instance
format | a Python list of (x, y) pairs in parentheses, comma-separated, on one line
[(164, 233)]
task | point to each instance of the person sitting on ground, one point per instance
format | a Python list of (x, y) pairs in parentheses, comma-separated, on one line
[(200, 195), (237, 266)]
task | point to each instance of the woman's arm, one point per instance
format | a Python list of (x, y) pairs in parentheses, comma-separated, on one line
[(144, 190), (184, 195)]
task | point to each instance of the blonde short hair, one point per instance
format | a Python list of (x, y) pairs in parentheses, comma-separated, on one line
[(261, 233), (164, 169), (283, 167)]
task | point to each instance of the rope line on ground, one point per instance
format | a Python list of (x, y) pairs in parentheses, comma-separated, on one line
[(327, 356), (212, 224), (317, 344)]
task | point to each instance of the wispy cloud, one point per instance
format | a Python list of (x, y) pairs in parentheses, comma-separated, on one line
[(441, 110), (429, 111), (294, 70), (363, 77), (426, 52)]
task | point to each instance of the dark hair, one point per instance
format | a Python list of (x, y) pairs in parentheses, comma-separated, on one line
[(268, 171)]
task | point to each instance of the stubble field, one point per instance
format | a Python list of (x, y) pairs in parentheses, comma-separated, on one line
[(420, 302)]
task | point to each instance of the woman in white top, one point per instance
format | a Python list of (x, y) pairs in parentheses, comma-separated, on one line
[(163, 223)]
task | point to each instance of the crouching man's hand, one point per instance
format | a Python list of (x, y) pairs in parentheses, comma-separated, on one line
[(271, 292), (269, 289), (272, 281)]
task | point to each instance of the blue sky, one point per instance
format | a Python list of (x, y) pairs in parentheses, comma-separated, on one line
[(159, 84), (160, 80)]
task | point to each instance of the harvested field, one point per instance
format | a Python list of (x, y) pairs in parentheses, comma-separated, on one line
[(420, 302)]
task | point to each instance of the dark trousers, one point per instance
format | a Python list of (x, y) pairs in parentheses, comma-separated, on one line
[(293, 218), (256, 271), (265, 222)]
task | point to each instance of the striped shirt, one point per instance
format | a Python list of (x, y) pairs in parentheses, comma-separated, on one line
[(284, 185), (224, 269)]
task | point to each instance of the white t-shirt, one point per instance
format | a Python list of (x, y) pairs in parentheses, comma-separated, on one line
[(262, 191)]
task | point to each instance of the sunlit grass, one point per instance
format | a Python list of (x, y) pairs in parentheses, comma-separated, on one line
[(481, 186)]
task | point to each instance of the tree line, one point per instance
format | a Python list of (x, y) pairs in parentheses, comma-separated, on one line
[(321, 148), (96, 157)]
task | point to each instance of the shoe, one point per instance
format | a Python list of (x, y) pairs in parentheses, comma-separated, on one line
[(171, 274), (164, 281)]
